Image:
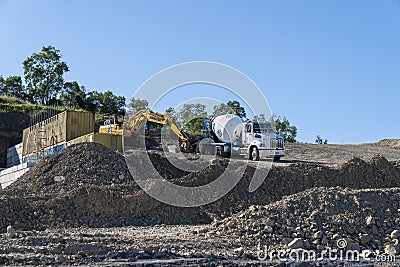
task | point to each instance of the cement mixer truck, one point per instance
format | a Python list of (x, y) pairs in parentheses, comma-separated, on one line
[(254, 140)]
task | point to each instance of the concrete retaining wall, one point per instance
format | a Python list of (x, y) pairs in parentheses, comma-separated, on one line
[(10, 175), (14, 155), (47, 152), (65, 126)]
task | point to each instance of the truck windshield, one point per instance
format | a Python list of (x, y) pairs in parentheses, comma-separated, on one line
[(263, 127)]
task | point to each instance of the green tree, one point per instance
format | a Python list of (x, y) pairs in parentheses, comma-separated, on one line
[(137, 104), (285, 129), (74, 96), (260, 117), (43, 74), (172, 113), (12, 86), (2, 85), (194, 126), (238, 110), (93, 101), (319, 140), (111, 104), (190, 116), (221, 109), (190, 111), (231, 107)]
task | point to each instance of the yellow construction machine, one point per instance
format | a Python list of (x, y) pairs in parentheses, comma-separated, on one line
[(137, 127), (112, 126)]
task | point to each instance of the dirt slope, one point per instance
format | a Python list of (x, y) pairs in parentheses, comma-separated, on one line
[(90, 185), (319, 194), (333, 154)]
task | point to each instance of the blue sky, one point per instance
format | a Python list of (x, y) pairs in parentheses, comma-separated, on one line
[(331, 67)]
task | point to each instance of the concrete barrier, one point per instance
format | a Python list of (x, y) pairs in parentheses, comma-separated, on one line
[(10, 175), (46, 152), (14, 155)]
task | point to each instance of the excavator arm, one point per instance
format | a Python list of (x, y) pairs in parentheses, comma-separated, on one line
[(137, 122), (183, 137)]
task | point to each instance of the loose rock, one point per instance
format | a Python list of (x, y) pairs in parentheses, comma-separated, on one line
[(11, 231)]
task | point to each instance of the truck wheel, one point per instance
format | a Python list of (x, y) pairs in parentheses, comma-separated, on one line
[(277, 158), (254, 154)]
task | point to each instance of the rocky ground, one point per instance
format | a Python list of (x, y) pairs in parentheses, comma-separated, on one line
[(82, 206), (332, 154)]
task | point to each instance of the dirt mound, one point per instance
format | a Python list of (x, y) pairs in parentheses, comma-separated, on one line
[(90, 185), (332, 154), (82, 164), (94, 206), (159, 161), (377, 172), (106, 206), (317, 218), (394, 143), (85, 164)]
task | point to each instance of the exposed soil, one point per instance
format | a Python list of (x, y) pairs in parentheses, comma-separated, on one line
[(332, 154), (318, 191)]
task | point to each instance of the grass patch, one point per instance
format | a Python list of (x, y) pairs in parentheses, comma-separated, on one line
[(30, 108), (10, 100), (14, 104)]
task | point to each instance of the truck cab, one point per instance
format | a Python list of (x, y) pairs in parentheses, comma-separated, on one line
[(259, 140)]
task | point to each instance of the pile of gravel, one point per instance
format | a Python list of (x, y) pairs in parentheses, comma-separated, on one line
[(78, 165), (90, 185), (367, 219), (356, 173), (84, 164), (394, 143)]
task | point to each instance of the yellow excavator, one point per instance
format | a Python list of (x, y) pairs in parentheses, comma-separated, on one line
[(136, 127), (112, 126)]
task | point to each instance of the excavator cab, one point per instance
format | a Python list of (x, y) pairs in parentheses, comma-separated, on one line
[(112, 126)]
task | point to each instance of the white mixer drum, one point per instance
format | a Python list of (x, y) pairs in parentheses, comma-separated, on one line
[(227, 127)]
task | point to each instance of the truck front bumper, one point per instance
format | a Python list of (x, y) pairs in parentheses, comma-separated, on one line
[(269, 153)]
